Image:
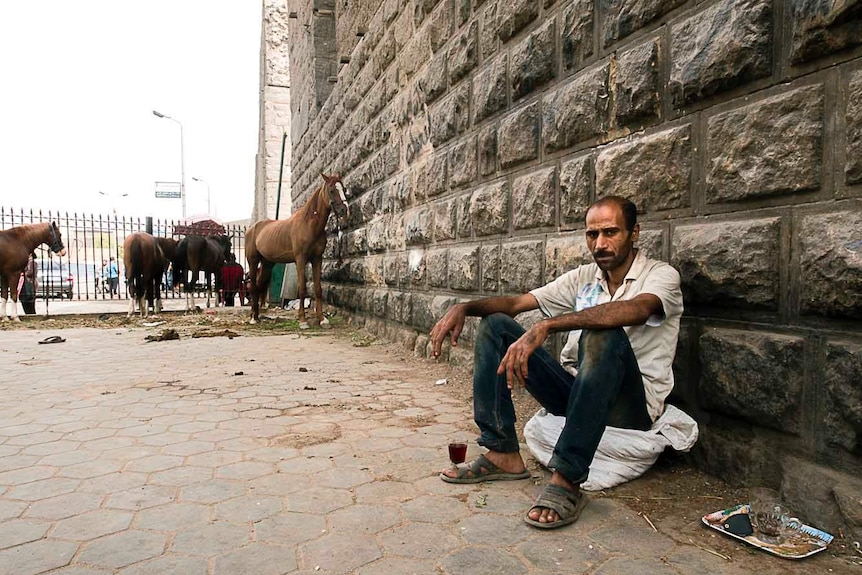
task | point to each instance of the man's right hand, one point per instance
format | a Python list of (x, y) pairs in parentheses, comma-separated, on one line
[(451, 323)]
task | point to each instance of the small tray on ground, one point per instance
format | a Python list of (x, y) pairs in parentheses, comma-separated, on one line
[(802, 541)]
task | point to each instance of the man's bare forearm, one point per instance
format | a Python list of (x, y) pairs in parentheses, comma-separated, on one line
[(607, 316), (509, 305)]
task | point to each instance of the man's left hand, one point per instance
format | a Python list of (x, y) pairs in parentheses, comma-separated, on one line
[(514, 363)]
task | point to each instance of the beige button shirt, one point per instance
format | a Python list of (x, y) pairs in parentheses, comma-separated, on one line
[(653, 343)]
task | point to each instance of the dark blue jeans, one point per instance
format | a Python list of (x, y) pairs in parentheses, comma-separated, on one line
[(608, 390)]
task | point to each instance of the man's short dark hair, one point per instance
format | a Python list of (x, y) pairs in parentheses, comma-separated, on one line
[(626, 206)]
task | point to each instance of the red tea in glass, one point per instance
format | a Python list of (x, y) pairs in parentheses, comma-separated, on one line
[(457, 452)]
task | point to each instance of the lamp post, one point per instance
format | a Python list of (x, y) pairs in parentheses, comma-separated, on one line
[(182, 158), (201, 180)]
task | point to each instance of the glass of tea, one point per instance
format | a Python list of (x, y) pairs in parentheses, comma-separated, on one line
[(457, 452)]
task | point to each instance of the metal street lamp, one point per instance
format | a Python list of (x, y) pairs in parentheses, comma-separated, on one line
[(201, 180), (182, 158)]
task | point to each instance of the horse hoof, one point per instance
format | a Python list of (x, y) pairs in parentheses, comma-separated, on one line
[(304, 325), (252, 321), (18, 319), (325, 323)]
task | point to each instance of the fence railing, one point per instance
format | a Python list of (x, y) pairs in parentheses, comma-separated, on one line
[(92, 239)]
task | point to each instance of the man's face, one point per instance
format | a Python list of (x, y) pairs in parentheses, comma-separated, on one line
[(607, 238), (104, 262)]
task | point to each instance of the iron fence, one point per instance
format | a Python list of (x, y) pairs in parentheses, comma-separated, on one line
[(92, 239)]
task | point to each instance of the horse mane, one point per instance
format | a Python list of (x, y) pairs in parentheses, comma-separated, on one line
[(313, 206), (28, 231)]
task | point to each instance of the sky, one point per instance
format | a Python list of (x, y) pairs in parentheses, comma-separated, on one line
[(80, 80)]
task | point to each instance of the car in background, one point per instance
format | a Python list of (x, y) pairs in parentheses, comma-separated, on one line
[(55, 279)]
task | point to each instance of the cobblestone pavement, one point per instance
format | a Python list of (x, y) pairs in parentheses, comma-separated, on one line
[(270, 455)]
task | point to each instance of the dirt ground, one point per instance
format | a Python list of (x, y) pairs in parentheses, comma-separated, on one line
[(671, 496)]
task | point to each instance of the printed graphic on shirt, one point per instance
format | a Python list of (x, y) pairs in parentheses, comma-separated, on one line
[(589, 296)]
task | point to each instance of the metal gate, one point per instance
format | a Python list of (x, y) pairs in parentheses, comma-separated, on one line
[(92, 239)]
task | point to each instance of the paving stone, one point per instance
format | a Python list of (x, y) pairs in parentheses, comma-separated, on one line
[(52, 448), (168, 564), (384, 492), (244, 470), (141, 497), (257, 559), (123, 549), (89, 469), (188, 448), (180, 476), (290, 529), (212, 491), (113, 482), (494, 530), (26, 475), (248, 508), (214, 458), (434, 509), (363, 519), (340, 552), (343, 478), (43, 489), (63, 506), (318, 500), (210, 540), (91, 525), (305, 466), (635, 539), (37, 557), (419, 541), (172, 517), (567, 548), (17, 462), (275, 484), (11, 509), (68, 458), (154, 463), (89, 433), (20, 531), (482, 561), (634, 566), (399, 566)]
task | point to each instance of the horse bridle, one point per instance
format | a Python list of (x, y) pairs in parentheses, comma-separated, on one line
[(56, 244), (338, 188)]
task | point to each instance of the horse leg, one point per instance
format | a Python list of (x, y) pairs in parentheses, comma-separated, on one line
[(303, 291), (316, 264), (13, 296), (209, 287), (4, 290)]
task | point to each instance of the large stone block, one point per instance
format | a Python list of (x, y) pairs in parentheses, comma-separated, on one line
[(577, 33), (622, 17), (733, 264), (521, 266), (416, 267), (450, 116), (830, 262), (534, 60), (445, 218), (400, 307), (736, 454), (463, 162), (754, 376), (576, 111), (396, 236), (433, 79), (636, 86), (534, 200), (564, 253), (395, 269), (356, 242), (464, 268), (464, 221), (652, 243), (377, 303), (377, 234), (576, 186), (374, 272), (488, 150), (812, 491), (489, 88), (489, 209), (653, 171), (842, 414), (464, 53), (440, 24), (418, 224), (719, 48), (429, 176), (519, 136), (488, 40), (514, 15), (767, 148), (820, 28), (436, 265), (490, 268), (853, 169)]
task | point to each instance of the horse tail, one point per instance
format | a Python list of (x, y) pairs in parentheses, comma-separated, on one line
[(134, 258), (180, 261)]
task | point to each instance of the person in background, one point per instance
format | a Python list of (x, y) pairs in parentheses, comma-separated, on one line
[(230, 281), (113, 273), (29, 285)]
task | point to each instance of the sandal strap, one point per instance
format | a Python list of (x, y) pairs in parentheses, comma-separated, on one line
[(475, 467), (559, 499)]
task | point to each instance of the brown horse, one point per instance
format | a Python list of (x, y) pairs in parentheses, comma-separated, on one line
[(146, 259), (301, 239), (197, 254), (15, 246)]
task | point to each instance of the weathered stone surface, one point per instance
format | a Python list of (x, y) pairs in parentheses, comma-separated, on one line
[(636, 86), (622, 17), (719, 48), (842, 416), (396, 237), (416, 267), (400, 307), (808, 489), (564, 253), (464, 223), (488, 150), (534, 60), (576, 186), (395, 269), (418, 226), (436, 264), (489, 88), (766, 148), (754, 376), (464, 53), (820, 28), (576, 111), (846, 494), (376, 235), (462, 162), (464, 268), (450, 116), (433, 80), (853, 169), (577, 33), (729, 263), (732, 452), (831, 264), (444, 220), (429, 176), (652, 243), (534, 200), (490, 268), (514, 16), (356, 242), (440, 24), (488, 40), (521, 266), (519, 136), (427, 309), (489, 209), (653, 171)]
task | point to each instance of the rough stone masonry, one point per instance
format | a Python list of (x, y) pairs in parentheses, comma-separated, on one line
[(473, 134)]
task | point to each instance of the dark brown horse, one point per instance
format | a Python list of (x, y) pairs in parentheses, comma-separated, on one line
[(301, 239), (146, 258), (197, 254), (15, 246)]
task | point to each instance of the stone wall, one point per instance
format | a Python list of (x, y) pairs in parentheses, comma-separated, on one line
[(473, 134)]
